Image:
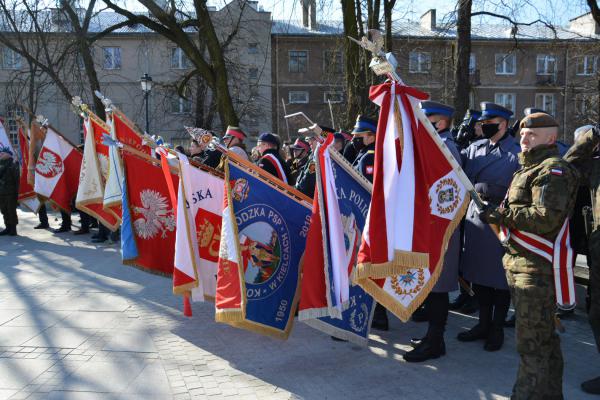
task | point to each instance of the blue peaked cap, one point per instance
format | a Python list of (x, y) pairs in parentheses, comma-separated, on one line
[(269, 138), (492, 110), (364, 125), (435, 108)]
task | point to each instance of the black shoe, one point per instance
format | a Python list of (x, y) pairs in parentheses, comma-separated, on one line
[(459, 302), (469, 307), (81, 231), (510, 323), (428, 349), (12, 230), (414, 342), (62, 229), (420, 315), (5, 232), (592, 386), (478, 332), (381, 324), (495, 340), (41, 226), (99, 240), (565, 314)]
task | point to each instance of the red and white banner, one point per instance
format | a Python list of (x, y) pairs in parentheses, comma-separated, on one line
[(199, 209), (92, 177), (417, 202), (559, 253), (113, 188), (57, 170), (126, 134), (27, 196)]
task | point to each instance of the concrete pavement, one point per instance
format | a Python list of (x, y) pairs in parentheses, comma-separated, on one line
[(77, 324)]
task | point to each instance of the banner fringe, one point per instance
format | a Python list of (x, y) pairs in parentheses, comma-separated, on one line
[(402, 262), (336, 332), (229, 316)]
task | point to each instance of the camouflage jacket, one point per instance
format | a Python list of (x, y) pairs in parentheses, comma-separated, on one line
[(539, 199), (581, 155), (9, 177)]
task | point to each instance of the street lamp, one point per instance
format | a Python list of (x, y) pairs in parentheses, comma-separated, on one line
[(146, 82)]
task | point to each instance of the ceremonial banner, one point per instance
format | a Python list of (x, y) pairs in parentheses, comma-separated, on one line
[(27, 196), (57, 170), (270, 221), (418, 200), (113, 189), (200, 204), (350, 194), (94, 169), (5, 145), (148, 216), (126, 133)]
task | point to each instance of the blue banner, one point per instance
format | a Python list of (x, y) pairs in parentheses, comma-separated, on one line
[(129, 251), (354, 198), (272, 225)]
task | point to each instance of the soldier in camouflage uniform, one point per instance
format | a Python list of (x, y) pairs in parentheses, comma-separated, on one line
[(584, 156), (539, 199), (9, 190)]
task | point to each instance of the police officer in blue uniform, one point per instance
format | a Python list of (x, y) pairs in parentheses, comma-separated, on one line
[(489, 163), (436, 305), (364, 131)]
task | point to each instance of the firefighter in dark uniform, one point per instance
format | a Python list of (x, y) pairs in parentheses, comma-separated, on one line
[(365, 130), (432, 345), (9, 190), (490, 164), (199, 150), (270, 160), (301, 155)]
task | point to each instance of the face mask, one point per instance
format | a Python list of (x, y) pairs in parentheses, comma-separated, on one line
[(489, 130), (357, 143), (435, 125)]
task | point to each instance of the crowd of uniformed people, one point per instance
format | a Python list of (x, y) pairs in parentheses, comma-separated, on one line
[(513, 169)]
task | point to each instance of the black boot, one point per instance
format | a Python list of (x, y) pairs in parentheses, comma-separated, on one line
[(495, 339), (420, 314), (481, 330), (62, 228), (42, 225), (592, 386), (13, 230), (380, 318), (428, 349), (6, 231), (460, 301)]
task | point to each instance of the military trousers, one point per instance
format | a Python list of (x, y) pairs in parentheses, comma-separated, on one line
[(594, 313), (8, 208), (540, 369)]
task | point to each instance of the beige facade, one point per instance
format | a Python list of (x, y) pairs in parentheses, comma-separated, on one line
[(125, 56)]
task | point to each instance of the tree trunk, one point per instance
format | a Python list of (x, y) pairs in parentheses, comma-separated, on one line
[(354, 84), (462, 55), (388, 6)]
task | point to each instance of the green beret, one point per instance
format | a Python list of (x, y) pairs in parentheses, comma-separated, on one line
[(538, 120)]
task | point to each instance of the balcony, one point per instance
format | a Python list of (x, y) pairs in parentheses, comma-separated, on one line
[(555, 79)]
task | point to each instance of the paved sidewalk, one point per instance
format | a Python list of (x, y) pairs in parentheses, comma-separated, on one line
[(76, 324)]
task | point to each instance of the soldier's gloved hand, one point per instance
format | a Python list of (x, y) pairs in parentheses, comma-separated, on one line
[(485, 212)]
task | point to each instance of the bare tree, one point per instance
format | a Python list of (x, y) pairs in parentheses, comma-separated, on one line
[(462, 52)]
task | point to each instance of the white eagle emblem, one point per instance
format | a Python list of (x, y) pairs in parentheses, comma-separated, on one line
[(154, 216), (103, 161), (49, 164)]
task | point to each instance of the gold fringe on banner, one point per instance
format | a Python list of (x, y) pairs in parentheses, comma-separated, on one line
[(402, 262)]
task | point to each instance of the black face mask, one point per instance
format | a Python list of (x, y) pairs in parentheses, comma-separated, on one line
[(489, 130), (435, 126), (357, 143)]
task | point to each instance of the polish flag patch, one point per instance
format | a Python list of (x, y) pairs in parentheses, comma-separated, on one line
[(369, 169), (556, 171)]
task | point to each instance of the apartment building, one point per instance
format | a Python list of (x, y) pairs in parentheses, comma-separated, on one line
[(125, 55), (529, 66)]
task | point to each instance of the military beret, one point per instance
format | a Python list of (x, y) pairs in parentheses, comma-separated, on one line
[(538, 120), (364, 125), (435, 108), (492, 110), (268, 138)]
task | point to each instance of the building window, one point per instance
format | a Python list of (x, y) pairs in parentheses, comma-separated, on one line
[(506, 100), (297, 97), (12, 127), (419, 62), (333, 97), (252, 48), (546, 64), (298, 61), (179, 105), (587, 65), (545, 101), (10, 59), (112, 57), (333, 62), (506, 64), (253, 73), (178, 59), (472, 64)]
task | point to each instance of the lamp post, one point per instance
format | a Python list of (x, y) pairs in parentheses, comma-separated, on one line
[(146, 82)]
